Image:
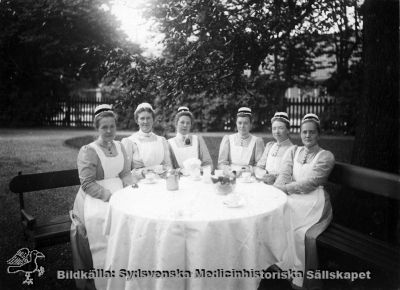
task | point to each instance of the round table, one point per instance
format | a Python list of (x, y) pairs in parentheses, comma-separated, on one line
[(190, 239)]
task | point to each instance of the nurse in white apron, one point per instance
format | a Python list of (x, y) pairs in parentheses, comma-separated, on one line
[(147, 152), (103, 169), (185, 145), (240, 151), (304, 170), (268, 166)]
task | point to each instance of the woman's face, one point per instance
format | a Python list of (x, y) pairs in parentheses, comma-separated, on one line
[(279, 131), (145, 121), (309, 134), (183, 125), (107, 129), (243, 125)]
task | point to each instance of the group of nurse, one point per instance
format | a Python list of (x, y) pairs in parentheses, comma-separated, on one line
[(106, 166)]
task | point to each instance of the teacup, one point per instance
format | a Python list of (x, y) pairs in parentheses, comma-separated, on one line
[(150, 176), (246, 176), (260, 173), (158, 169)]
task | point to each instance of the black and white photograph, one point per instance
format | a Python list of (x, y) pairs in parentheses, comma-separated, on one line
[(199, 144)]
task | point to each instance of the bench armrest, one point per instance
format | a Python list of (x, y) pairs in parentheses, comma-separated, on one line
[(27, 220)]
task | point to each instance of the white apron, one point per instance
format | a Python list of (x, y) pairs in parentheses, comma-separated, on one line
[(151, 153), (186, 152), (240, 156), (273, 162), (304, 211), (95, 210)]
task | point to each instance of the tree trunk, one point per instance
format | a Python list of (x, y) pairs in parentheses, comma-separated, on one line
[(377, 130), (376, 143)]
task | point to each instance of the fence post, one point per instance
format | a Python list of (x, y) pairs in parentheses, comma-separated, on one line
[(67, 119)]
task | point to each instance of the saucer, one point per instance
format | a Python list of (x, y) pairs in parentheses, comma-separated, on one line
[(159, 172), (148, 181), (233, 202), (247, 180)]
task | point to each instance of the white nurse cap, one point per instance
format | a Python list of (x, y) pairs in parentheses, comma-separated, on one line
[(281, 116), (183, 109), (102, 108), (310, 117), (144, 106), (244, 111)]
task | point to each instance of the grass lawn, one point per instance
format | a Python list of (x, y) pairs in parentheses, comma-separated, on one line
[(32, 151)]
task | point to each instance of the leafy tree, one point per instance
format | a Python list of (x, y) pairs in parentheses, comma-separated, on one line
[(134, 80), (209, 44), (343, 47), (46, 49)]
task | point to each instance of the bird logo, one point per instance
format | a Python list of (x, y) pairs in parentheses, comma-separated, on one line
[(25, 261)]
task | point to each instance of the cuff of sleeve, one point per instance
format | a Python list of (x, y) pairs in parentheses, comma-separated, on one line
[(106, 196), (291, 188)]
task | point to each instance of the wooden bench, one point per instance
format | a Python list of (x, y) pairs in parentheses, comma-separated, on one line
[(55, 230), (358, 247)]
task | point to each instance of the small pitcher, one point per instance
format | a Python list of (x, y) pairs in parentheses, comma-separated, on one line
[(172, 179)]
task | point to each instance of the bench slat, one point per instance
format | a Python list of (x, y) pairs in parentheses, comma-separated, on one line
[(60, 219), (46, 180), (366, 249), (52, 230), (53, 240), (365, 179), (366, 256), (55, 232), (361, 249), (358, 235)]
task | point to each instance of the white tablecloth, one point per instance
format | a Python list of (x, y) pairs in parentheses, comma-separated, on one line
[(191, 232)]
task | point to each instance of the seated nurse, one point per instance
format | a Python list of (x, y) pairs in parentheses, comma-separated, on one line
[(268, 166), (103, 169), (185, 145), (146, 151), (240, 151), (303, 172)]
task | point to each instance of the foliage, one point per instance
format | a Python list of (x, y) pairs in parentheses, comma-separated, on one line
[(134, 80), (209, 45), (46, 49), (344, 49), (343, 117)]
